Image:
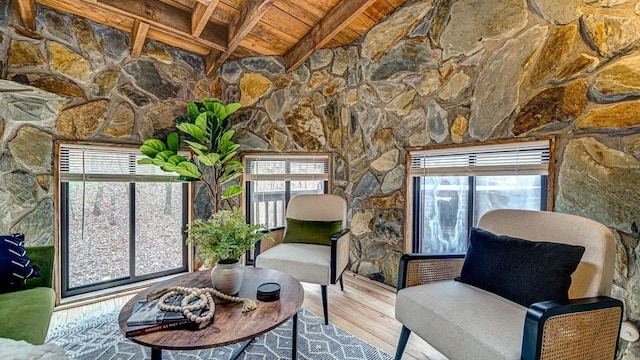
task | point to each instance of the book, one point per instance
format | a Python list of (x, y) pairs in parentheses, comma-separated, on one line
[(148, 329), (147, 312)]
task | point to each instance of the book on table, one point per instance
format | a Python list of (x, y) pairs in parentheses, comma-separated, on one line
[(146, 317)]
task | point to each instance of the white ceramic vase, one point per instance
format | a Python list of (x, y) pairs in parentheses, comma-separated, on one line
[(227, 276)]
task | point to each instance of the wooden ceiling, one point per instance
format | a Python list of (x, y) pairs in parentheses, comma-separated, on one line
[(230, 29)]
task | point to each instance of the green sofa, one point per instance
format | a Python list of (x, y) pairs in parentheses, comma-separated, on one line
[(26, 312)]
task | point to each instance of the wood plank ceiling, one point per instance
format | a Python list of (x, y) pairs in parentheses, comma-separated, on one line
[(230, 29)]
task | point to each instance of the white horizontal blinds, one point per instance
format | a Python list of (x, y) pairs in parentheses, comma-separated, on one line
[(287, 167), (108, 164), (521, 158)]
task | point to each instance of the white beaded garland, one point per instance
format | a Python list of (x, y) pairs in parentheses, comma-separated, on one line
[(204, 298)]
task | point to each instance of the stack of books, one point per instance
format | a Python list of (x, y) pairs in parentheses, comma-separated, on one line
[(146, 317)]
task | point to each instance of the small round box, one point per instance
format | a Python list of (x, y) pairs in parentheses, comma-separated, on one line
[(268, 292)]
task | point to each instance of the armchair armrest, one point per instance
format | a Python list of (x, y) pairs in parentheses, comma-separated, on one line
[(418, 269), (41, 256), (340, 243), (585, 328)]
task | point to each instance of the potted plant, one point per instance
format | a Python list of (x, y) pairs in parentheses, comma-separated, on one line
[(226, 235)]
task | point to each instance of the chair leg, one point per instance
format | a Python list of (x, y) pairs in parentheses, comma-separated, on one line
[(325, 307), (402, 342), (341, 284)]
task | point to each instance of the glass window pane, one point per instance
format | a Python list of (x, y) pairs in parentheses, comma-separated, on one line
[(444, 219), (159, 234), (268, 201), (506, 192), (99, 244)]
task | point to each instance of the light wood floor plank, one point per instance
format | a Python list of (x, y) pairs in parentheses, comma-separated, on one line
[(365, 309)]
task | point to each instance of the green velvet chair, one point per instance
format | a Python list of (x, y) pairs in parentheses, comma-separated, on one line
[(26, 312)]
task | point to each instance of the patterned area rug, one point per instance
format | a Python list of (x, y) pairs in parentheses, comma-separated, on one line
[(100, 338)]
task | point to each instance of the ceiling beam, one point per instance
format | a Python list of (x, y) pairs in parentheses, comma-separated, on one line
[(330, 25), (138, 35), (27, 10), (246, 19), (200, 16)]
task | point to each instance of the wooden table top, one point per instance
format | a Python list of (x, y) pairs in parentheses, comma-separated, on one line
[(230, 324)]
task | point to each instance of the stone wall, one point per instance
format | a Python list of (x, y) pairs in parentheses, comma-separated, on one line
[(73, 79), (451, 72)]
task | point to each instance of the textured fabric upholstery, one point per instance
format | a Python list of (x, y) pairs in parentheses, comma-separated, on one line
[(461, 321)]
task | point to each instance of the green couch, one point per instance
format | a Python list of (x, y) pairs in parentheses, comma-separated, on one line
[(26, 312)]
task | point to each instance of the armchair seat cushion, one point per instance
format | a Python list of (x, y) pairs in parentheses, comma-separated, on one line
[(26, 313), (462, 321), (305, 262)]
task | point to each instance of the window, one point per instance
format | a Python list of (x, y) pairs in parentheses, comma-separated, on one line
[(454, 187), (271, 180), (120, 222)]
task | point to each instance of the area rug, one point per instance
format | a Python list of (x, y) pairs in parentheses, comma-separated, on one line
[(99, 338)]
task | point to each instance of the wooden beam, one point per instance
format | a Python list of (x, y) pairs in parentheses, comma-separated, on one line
[(138, 35), (335, 20), (246, 19), (27, 10), (201, 15), (211, 60)]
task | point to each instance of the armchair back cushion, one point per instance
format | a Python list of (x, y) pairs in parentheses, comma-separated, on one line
[(311, 232), (317, 207), (594, 274)]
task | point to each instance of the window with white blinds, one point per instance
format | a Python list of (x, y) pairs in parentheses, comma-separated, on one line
[(81, 162), (521, 158), (286, 168)]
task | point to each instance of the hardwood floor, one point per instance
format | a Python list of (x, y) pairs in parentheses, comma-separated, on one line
[(365, 309)]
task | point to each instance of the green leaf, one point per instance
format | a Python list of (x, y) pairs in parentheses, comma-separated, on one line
[(227, 136), (168, 167), (176, 159), (201, 121), (214, 158), (205, 160), (158, 162), (151, 147), (195, 145), (145, 161), (188, 169), (192, 130), (172, 141), (192, 110), (235, 165), (231, 108), (219, 110), (232, 191), (225, 180), (165, 155)]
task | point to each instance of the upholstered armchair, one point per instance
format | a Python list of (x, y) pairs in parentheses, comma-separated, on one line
[(315, 245), (465, 322)]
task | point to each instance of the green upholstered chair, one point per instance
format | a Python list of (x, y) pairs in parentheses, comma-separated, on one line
[(26, 312)]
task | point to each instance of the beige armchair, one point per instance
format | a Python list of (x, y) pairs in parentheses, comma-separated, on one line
[(465, 322), (312, 263)]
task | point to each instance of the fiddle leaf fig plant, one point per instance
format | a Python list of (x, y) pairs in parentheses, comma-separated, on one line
[(204, 131)]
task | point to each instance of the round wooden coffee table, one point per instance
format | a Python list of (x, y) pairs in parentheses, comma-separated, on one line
[(230, 324)]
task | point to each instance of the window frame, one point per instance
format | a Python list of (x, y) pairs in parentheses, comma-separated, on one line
[(61, 205), (410, 243)]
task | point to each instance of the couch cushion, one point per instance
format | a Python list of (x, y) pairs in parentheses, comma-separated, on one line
[(26, 314), (311, 232), (463, 322), (520, 270), (305, 262)]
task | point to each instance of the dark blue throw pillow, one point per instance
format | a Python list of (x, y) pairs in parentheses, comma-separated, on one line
[(15, 266), (520, 270)]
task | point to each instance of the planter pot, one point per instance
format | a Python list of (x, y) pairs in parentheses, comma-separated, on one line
[(227, 276)]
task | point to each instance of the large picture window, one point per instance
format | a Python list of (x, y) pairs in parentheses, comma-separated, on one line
[(453, 187), (120, 222), (271, 180)]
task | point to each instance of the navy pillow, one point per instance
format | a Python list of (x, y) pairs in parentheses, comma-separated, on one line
[(15, 266), (520, 270)]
